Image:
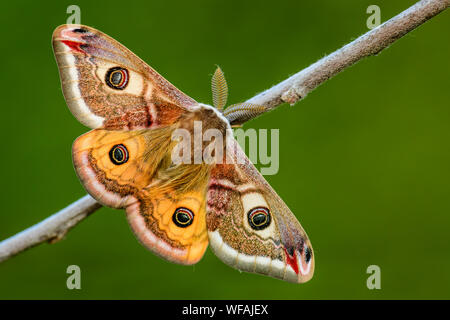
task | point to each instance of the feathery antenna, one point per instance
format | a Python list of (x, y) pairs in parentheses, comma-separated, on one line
[(219, 89)]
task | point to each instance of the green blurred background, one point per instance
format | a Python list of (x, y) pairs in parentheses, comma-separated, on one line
[(364, 159)]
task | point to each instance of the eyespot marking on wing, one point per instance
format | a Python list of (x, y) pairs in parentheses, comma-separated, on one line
[(183, 217), (259, 218), (118, 154), (117, 78)]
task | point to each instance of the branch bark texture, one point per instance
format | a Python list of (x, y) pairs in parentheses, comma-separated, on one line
[(51, 229), (289, 91)]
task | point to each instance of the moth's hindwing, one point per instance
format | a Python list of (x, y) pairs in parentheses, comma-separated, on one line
[(165, 205), (169, 219)]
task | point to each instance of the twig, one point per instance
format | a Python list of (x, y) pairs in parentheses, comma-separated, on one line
[(291, 90), (300, 84)]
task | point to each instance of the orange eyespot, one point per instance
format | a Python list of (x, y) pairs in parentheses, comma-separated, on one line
[(259, 218), (118, 154), (117, 78), (183, 217)]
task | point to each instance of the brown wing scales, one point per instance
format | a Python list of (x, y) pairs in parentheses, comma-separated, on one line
[(106, 85)]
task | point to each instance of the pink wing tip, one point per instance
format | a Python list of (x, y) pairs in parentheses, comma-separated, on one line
[(72, 36)]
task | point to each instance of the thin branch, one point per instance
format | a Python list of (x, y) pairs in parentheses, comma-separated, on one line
[(371, 43), (51, 229), (291, 90)]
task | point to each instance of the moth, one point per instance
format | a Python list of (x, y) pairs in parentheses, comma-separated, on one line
[(174, 209)]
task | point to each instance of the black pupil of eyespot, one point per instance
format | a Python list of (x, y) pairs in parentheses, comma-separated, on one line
[(118, 154), (259, 219), (183, 217), (116, 77)]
